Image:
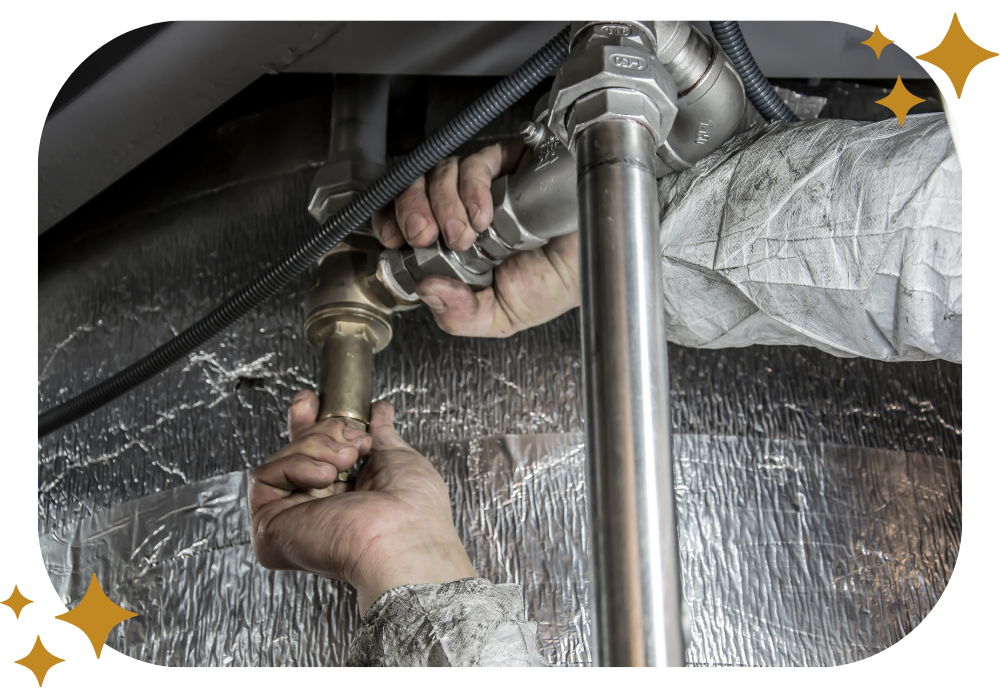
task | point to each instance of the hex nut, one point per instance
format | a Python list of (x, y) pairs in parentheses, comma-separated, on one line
[(489, 245), (597, 66), (505, 224), (612, 103), (437, 260), (336, 183), (392, 259)]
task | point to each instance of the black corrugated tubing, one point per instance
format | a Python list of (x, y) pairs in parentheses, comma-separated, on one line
[(384, 190), (760, 92)]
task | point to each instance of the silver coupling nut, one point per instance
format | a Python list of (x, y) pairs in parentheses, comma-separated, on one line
[(402, 268), (618, 56)]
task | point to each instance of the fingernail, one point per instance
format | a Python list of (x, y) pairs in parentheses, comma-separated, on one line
[(385, 233), (454, 229), (467, 239), (414, 225), (435, 303), (473, 213), (352, 433)]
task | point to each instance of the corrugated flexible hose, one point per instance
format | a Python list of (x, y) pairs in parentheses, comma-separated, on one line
[(384, 190), (759, 91)]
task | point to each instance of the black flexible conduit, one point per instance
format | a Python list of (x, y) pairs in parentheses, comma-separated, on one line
[(384, 190), (760, 92)]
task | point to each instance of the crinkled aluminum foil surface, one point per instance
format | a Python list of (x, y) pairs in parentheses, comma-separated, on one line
[(818, 498)]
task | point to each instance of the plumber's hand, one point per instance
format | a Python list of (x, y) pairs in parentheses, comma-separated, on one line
[(394, 528), (453, 200)]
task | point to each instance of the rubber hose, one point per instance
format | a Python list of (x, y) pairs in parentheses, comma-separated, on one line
[(760, 92), (381, 192)]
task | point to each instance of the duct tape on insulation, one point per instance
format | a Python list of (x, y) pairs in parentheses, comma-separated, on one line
[(819, 497)]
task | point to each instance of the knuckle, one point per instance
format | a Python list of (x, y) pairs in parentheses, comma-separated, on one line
[(445, 165), (447, 208), (410, 199), (318, 440)]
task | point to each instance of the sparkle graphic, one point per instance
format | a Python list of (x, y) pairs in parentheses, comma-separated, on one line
[(957, 55), (39, 661), (16, 602), (877, 41), (96, 615), (900, 100)]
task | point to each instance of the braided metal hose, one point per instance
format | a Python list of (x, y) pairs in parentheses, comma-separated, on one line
[(381, 192)]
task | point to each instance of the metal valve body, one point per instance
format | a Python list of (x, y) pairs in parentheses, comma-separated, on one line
[(665, 75)]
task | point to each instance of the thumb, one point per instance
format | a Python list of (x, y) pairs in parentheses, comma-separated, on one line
[(380, 427), (302, 413), (460, 311)]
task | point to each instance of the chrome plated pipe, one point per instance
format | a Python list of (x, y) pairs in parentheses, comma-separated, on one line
[(635, 568)]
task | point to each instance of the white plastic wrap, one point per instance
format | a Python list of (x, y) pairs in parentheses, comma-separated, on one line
[(845, 236)]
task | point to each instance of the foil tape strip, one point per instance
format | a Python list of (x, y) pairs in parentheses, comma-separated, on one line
[(792, 553)]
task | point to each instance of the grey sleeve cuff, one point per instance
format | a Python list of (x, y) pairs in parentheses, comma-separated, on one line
[(470, 622)]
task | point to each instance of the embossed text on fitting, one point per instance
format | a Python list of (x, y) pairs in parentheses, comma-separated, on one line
[(621, 60), (617, 30)]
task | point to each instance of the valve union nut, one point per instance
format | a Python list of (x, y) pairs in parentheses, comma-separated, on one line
[(612, 103), (404, 267), (600, 62), (336, 183)]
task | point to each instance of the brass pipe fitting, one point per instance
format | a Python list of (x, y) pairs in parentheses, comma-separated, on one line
[(348, 319)]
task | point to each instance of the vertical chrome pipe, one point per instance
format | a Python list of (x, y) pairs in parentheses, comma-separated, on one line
[(635, 568)]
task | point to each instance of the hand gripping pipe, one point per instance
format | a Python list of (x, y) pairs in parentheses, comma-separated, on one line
[(332, 231), (538, 202)]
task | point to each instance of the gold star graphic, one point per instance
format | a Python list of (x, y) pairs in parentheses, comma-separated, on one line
[(957, 55), (16, 602), (878, 42), (96, 615), (900, 100), (39, 661)]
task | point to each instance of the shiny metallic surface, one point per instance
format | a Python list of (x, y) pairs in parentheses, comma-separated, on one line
[(612, 103), (636, 582), (347, 322), (530, 207), (339, 289), (611, 55), (710, 96), (819, 499), (683, 51), (641, 34), (538, 202), (348, 308), (437, 259), (386, 277), (345, 385)]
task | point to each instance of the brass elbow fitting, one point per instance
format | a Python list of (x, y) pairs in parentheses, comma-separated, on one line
[(348, 319)]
